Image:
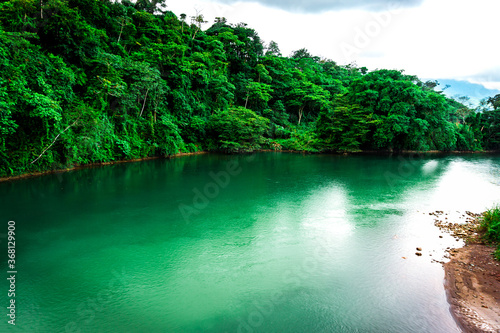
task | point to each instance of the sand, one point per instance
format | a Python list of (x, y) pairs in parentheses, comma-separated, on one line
[(472, 281)]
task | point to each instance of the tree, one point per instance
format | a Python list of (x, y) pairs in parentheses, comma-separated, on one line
[(409, 116), (258, 94), (273, 49), (237, 130), (151, 6), (303, 54), (305, 96), (198, 20), (495, 101), (429, 85), (183, 20), (490, 128), (344, 128)]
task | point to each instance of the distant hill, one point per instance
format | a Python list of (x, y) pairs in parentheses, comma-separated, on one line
[(475, 91)]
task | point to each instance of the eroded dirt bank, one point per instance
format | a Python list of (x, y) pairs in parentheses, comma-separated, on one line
[(472, 277)]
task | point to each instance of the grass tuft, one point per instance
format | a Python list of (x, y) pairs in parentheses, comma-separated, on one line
[(491, 225)]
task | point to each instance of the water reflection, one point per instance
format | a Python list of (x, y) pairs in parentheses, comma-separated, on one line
[(292, 243)]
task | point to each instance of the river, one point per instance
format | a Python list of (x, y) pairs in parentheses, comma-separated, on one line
[(271, 242)]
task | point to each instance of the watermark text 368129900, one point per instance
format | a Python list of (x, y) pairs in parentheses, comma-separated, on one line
[(11, 272)]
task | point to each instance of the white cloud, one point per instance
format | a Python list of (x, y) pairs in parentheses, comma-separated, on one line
[(453, 39), (319, 6)]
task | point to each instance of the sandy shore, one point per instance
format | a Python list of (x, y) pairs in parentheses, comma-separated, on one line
[(472, 279)]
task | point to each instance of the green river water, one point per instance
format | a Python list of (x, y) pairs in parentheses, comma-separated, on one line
[(271, 242)]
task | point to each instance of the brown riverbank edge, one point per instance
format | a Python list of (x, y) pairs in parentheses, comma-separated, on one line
[(472, 278), (375, 152), (90, 165)]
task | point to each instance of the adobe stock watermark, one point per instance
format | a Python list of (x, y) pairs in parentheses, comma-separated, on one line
[(87, 310), (363, 36), (262, 309), (406, 168), (211, 190)]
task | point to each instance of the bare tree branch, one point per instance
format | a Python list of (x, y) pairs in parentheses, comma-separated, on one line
[(144, 104), (43, 152)]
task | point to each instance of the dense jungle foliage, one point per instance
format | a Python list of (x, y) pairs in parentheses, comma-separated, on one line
[(85, 81)]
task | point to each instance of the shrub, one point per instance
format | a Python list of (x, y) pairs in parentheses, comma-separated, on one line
[(491, 225), (167, 137)]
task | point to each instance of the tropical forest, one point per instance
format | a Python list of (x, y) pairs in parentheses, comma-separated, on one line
[(84, 81)]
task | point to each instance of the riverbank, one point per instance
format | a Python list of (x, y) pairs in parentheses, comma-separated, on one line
[(91, 165), (472, 282), (472, 278), (366, 152)]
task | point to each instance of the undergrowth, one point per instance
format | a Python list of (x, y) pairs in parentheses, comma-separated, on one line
[(491, 225)]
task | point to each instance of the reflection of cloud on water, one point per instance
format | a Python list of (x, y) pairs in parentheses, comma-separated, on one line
[(494, 172), (326, 212), (466, 185), (430, 167)]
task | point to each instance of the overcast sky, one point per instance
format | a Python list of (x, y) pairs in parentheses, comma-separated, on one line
[(442, 39)]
